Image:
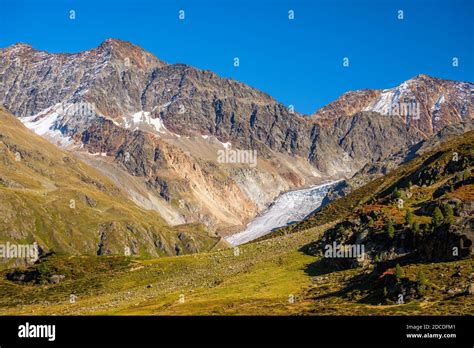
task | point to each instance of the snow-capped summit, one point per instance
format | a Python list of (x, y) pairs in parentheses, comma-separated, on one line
[(423, 102)]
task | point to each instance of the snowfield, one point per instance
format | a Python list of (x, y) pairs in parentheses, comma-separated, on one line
[(289, 207)]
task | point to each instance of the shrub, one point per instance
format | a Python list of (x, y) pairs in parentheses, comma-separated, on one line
[(466, 174), (340, 230), (396, 193)]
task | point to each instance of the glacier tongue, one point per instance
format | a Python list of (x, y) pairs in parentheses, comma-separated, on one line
[(289, 207)]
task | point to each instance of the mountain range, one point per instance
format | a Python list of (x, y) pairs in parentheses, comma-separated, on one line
[(155, 130)]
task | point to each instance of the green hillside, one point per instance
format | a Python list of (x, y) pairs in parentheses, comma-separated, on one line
[(49, 196)]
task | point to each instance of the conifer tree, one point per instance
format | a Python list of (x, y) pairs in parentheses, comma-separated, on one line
[(389, 229), (438, 217), (398, 272), (409, 217), (448, 214)]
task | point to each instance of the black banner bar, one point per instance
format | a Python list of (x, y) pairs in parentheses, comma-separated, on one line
[(427, 331)]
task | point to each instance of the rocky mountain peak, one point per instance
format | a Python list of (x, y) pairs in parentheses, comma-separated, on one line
[(17, 51), (18, 47), (130, 54), (110, 42)]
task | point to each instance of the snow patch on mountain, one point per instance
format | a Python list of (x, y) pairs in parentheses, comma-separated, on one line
[(383, 103), (390, 98), (41, 125), (143, 119), (46, 124), (226, 145), (438, 104)]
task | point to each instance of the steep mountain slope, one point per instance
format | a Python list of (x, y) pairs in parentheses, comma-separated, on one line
[(439, 180), (352, 142), (382, 166), (161, 128), (434, 176), (289, 274), (128, 107), (50, 197), (36, 80)]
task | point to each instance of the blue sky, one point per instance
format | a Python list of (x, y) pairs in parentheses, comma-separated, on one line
[(298, 62)]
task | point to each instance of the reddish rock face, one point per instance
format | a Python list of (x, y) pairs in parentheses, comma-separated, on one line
[(347, 104), (424, 102)]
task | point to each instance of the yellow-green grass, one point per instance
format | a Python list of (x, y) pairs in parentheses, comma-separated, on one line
[(271, 277), (260, 275)]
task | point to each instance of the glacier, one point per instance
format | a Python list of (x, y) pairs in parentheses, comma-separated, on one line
[(289, 207)]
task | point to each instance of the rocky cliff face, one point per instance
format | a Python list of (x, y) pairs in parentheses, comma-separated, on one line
[(386, 164), (158, 129)]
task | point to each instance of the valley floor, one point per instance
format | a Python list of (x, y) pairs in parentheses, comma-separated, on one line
[(263, 278)]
